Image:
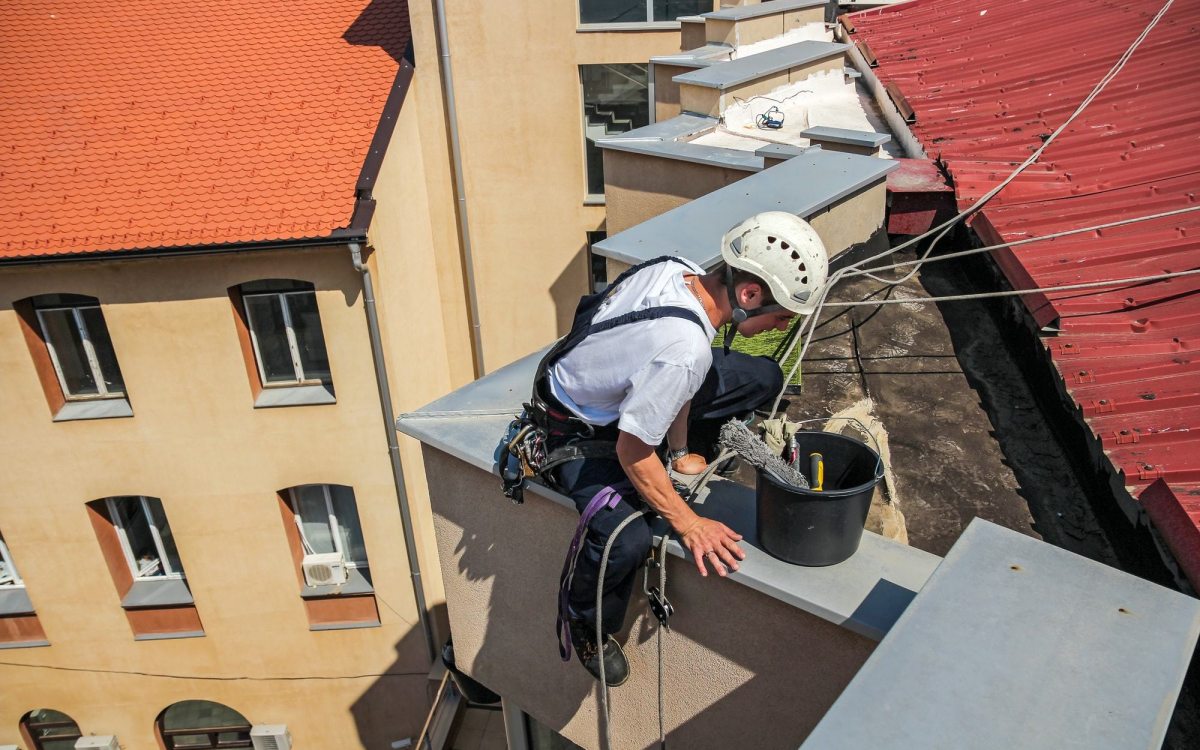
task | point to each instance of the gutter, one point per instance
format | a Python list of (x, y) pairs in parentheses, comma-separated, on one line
[(389, 422), (460, 190), (904, 135)]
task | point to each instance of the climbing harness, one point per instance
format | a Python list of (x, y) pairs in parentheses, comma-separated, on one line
[(546, 435)]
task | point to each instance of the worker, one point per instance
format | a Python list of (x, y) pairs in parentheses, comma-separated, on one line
[(639, 369)]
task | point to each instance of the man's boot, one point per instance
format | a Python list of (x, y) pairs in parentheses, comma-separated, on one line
[(616, 666)]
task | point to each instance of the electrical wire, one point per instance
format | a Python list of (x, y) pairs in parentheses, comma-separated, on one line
[(212, 678)]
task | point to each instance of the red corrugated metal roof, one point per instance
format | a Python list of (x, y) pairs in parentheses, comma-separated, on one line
[(140, 124), (987, 82)]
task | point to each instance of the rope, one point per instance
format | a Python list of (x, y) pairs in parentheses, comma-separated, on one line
[(600, 640)]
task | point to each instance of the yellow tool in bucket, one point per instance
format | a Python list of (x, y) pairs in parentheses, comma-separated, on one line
[(816, 464)]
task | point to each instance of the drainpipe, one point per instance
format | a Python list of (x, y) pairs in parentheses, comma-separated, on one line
[(904, 136), (389, 424), (460, 190)]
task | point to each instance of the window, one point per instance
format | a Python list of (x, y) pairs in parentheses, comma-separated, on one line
[(145, 537), (285, 329), (639, 11), (615, 100), (8, 569), (80, 348), (200, 725), (328, 522), (47, 729)]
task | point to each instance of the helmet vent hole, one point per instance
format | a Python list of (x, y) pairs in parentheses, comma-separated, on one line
[(795, 255), (785, 246), (804, 280), (802, 268), (771, 240)]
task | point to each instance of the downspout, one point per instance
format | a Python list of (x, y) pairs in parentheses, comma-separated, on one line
[(904, 135), (460, 190), (389, 424)]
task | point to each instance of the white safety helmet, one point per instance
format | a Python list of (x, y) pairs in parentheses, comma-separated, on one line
[(784, 251)]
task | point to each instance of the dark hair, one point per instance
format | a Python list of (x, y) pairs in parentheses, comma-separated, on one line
[(744, 277)]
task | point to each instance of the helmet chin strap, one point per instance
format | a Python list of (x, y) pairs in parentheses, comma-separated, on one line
[(740, 314)]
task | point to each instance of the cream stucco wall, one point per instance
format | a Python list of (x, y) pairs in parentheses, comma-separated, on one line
[(520, 118), (197, 442)]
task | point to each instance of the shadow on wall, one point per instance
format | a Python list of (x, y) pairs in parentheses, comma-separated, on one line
[(571, 284), (383, 24), (394, 705)]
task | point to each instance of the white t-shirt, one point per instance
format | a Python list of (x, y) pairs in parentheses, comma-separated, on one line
[(639, 374)]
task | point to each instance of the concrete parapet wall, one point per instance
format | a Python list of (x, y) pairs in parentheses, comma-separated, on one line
[(711, 102), (750, 30), (666, 91), (638, 187), (742, 669)]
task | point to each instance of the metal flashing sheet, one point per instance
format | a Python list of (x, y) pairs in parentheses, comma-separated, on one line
[(801, 185), (1014, 643), (732, 73), (741, 12)]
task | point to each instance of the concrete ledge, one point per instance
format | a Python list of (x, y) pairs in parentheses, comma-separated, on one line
[(740, 12), (701, 57), (103, 408), (736, 72), (1014, 643), (344, 625), (299, 395), (668, 139), (168, 636), (23, 644), (780, 151), (802, 185), (862, 138), (864, 595)]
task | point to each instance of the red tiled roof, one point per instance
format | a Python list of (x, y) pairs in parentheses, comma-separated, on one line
[(145, 124), (987, 82)]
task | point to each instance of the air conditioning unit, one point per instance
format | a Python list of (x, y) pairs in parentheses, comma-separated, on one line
[(325, 569), (9, 747), (97, 742), (271, 736)]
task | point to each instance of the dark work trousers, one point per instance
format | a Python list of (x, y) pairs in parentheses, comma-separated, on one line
[(735, 386)]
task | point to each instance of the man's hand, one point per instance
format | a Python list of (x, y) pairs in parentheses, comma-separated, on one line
[(715, 543), (691, 464)]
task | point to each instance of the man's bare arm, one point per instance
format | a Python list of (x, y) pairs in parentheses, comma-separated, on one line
[(706, 539), (692, 463)]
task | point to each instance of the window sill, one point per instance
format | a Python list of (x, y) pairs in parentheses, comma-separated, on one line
[(593, 200), (584, 28), (356, 584), (170, 592), (15, 601), (107, 408), (344, 625), (300, 395), (167, 636), (23, 644)]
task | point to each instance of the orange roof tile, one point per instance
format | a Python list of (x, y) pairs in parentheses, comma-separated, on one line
[(143, 124)]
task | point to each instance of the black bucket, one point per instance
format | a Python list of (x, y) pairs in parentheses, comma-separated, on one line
[(470, 688), (810, 528)]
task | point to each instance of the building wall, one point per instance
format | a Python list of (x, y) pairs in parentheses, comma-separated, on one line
[(216, 462), (520, 118)]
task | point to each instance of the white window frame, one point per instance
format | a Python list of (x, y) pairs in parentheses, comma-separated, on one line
[(334, 527), (155, 535), (289, 331), (589, 198), (647, 21), (15, 582), (89, 352)]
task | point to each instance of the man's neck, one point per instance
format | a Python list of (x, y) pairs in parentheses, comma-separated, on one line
[(710, 290)]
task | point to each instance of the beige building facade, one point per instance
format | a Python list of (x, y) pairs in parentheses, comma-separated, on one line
[(220, 465)]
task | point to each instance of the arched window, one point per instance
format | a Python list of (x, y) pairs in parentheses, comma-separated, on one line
[(198, 725), (47, 729)]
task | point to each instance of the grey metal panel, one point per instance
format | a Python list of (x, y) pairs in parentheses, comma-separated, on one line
[(167, 592), (865, 594), (106, 408), (780, 151), (356, 583), (300, 395), (344, 625), (802, 185), (1014, 643), (168, 636), (24, 644), (701, 57), (714, 156), (739, 12), (680, 126), (864, 138), (14, 600), (744, 69)]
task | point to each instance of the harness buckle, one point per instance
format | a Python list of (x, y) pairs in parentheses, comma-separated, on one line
[(660, 607)]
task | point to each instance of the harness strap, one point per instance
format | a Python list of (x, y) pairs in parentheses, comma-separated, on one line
[(608, 497), (577, 450)]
